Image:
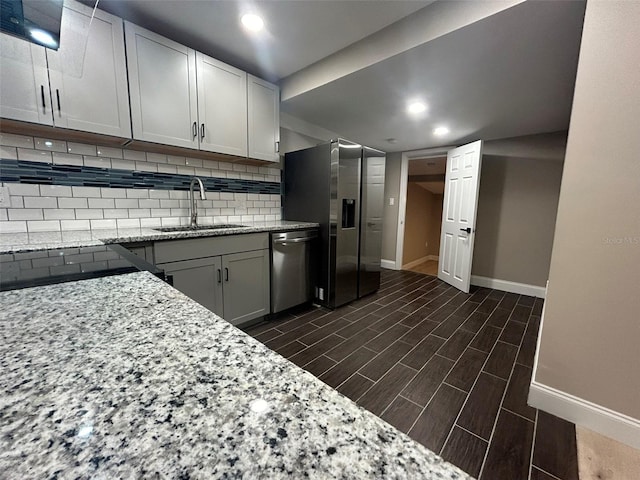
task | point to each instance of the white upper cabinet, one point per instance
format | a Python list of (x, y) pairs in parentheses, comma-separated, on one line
[(162, 82), (24, 83), (222, 107), (88, 73), (264, 119)]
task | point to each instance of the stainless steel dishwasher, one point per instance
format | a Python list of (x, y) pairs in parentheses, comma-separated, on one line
[(291, 268)]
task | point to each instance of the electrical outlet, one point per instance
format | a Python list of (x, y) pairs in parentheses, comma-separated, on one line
[(4, 196)]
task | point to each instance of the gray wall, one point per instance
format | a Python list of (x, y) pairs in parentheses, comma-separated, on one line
[(591, 329), (390, 216), (517, 206), (519, 189)]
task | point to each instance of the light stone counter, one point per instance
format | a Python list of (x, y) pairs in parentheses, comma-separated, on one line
[(125, 377)]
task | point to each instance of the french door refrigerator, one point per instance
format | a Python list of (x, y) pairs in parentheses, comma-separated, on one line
[(339, 185)]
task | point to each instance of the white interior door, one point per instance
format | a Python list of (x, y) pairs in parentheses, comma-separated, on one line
[(461, 187)]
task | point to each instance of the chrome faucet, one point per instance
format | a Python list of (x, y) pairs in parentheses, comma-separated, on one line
[(193, 207)]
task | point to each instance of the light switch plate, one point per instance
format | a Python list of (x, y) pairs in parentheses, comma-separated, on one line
[(4, 196), (392, 200)]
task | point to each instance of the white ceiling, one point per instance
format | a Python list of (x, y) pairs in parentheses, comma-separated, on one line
[(507, 75), (298, 33)]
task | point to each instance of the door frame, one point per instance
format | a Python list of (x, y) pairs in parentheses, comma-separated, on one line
[(402, 193)]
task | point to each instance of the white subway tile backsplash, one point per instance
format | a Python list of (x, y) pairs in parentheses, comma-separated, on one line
[(55, 191), (109, 152), (25, 214), (193, 162), (150, 222), (98, 162), (50, 145), (67, 159), (34, 155), (123, 164), (160, 194), (75, 224), (89, 213), (23, 189), (59, 214), (40, 202), (178, 194), (137, 193), (64, 202), (43, 226), (149, 203), (13, 227), (13, 140), (81, 149), (86, 192), (105, 223), (126, 203), (113, 192), (175, 160), (134, 155), (156, 157), (115, 213), (139, 213), (8, 153), (33, 207), (101, 203), (167, 169), (146, 167), (128, 222), (169, 203)]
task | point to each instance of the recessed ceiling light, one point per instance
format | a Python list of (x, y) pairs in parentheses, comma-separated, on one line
[(441, 131), (252, 22), (416, 107), (392, 140)]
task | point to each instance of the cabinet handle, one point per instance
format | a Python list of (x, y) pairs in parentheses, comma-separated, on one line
[(226, 274), (58, 97), (278, 147), (202, 132), (195, 129), (44, 105), (219, 276)]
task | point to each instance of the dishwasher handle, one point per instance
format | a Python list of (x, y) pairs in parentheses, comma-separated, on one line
[(293, 240)]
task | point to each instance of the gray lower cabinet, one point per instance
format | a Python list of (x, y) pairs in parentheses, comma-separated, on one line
[(229, 275), (199, 279)]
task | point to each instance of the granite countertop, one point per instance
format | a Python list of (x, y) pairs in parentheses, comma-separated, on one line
[(125, 377), (24, 242)]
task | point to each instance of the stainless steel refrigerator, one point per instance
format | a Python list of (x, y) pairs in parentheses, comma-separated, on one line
[(339, 185)]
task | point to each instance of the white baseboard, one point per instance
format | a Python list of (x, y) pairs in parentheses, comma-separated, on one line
[(584, 413), (415, 262), (435, 258), (390, 264), (507, 286)]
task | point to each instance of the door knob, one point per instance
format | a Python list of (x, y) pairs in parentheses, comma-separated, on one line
[(468, 229)]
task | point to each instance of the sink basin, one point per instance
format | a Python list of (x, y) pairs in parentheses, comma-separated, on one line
[(185, 228)]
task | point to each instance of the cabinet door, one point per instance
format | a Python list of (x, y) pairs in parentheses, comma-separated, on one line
[(162, 82), (24, 83), (88, 73), (264, 119), (222, 107), (246, 285), (200, 280)]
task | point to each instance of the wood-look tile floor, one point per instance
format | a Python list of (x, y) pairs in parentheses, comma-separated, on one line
[(451, 370), (428, 267)]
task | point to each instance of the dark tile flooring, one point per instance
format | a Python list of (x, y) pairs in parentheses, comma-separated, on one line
[(452, 370)]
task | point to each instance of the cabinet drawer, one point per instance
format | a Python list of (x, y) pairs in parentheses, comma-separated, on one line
[(190, 248)]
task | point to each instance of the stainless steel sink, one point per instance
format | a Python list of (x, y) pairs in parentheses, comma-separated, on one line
[(188, 228)]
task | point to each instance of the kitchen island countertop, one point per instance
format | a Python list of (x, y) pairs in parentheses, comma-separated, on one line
[(24, 242), (125, 377)]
